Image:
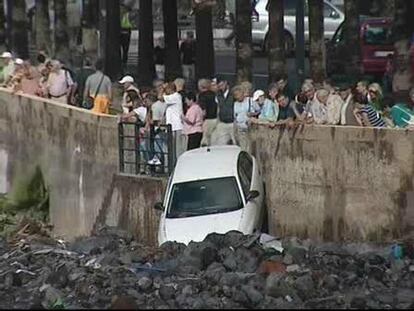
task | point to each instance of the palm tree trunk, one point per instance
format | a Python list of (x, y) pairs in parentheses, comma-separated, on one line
[(275, 44), (20, 40), (204, 63), (351, 28), (90, 25), (243, 41), (146, 67), (403, 29), (62, 51), (42, 26), (2, 24), (172, 59), (317, 52), (110, 28)]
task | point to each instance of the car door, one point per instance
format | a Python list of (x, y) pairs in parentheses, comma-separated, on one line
[(332, 20), (248, 181), (335, 49)]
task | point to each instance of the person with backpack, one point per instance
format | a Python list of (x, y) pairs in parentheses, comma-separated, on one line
[(59, 83), (98, 90)]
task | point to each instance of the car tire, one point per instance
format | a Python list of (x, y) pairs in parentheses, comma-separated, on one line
[(289, 45)]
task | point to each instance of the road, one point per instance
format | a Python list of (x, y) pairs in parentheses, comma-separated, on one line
[(226, 64)]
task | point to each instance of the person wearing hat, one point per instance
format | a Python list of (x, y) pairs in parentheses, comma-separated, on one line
[(128, 85), (97, 93), (8, 69), (269, 110)]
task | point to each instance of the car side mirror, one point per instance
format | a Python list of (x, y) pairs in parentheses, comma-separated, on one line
[(158, 206), (252, 195)]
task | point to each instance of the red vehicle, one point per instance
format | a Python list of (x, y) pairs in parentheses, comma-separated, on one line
[(375, 42)]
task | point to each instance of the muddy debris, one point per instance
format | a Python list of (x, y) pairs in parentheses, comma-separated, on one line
[(112, 271)]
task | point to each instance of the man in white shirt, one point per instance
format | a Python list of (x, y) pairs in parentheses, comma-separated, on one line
[(59, 83), (173, 115)]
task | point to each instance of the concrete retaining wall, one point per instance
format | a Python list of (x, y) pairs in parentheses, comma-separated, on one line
[(337, 183), (76, 151), (129, 204), (331, 183)]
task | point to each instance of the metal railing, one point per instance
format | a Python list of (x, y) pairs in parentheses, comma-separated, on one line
[(145, 151)]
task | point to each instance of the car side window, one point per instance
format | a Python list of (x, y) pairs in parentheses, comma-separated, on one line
[(245, 171), (328, 11)]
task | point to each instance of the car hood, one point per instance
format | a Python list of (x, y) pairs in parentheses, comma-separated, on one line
[(185, 230)]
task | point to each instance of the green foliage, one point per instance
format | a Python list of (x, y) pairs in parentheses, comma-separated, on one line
[(30, 200)]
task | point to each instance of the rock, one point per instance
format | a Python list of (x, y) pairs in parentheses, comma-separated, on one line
[(188, 290), (268, 267), (292, 268), (405, 295), (276, 286), (331, 282), (288, 260), (123, 303), (358, 303), (145, 283), (167, 292), (52, 296), (254, 296), (239, 296), (305, 286)]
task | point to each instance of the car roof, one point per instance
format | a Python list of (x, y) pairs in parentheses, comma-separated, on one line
[(365, 20), (206, 163)]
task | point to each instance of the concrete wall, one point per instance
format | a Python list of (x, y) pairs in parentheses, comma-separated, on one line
[(338, 183), (76, 151), (129, 204)]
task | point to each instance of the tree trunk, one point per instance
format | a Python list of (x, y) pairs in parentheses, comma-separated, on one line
[(62, 51), (90, 25), (110, 29), (172, 55), (317, 53), (20, 40), (2, 24), (243, 41), (351, 32), (403, 30), (275, 44), (204, 63), (42, 26), (146, 69)]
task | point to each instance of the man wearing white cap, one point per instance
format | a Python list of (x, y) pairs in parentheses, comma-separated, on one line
[(8, 70), (269, 111), (128, 84)]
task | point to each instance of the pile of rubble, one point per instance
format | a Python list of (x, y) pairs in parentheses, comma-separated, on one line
[(224, 271)]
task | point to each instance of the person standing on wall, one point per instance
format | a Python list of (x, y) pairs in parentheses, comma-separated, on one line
[(126, 29)]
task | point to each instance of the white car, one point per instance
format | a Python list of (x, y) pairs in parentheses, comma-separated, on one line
[(333, 17), (213, 189)]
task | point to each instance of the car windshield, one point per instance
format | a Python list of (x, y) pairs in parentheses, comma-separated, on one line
[(204, 197), (378, 35)]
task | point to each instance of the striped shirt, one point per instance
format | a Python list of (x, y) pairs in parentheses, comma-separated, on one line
[(373, 116)]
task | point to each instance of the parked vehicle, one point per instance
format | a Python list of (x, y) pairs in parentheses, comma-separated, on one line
[(376, 44), (333, 17), (214, 189)]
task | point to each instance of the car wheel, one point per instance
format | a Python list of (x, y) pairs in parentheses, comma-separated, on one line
[(289, 44)]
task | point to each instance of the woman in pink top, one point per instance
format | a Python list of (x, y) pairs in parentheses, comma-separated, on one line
[(193, 122)]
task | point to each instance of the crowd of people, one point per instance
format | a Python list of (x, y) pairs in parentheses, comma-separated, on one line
[(216, 113)]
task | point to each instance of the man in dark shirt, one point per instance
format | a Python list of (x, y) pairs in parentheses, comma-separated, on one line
[(224, 133), (286, 112), (207, 101), (187, 51), (159, 58)]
